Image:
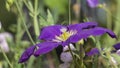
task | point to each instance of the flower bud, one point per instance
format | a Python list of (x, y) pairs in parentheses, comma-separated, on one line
[(66, 57)]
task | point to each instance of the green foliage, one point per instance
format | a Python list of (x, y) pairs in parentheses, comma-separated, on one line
[(24, 19), (9, 3), (48, 21), (58, 6)]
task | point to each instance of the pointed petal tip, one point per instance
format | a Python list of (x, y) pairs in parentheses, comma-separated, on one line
[(117, 46), (27, 54)]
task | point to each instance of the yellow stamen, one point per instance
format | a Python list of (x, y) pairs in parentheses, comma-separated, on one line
[(65, 35)]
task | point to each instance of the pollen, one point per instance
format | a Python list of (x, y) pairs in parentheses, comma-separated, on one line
[(65, 35)]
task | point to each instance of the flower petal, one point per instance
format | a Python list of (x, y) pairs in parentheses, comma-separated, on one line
[(117, 46), (49, 32), (45, 47), (92, 52), (86, 33), (100, 31), (75, 38), (81, 26), (92, 3), (26, 54)]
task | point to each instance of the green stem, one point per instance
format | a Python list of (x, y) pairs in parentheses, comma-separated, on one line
[(6, 57), (18, 34), (69, 12), (69, 24), (109, 18), (74, 60), (35, 21), (82, 56), (109, 57), (117, 23), (24, 22)]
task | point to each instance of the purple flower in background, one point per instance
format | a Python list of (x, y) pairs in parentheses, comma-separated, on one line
[(56, 35), (93, 51), (117, 46), (92, 3)]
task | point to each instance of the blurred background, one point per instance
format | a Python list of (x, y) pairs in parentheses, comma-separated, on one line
[(20, 19)]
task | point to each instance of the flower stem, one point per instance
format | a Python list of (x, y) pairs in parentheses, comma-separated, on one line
[(24, 23), (74, 60), (35, 21), (109, 57), (69, 12), (109, 17), (6, 57)]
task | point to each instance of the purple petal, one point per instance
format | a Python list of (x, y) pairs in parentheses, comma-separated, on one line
[(92, 3), (45, 47), (81, 26), (117, 46), (75, 38), (93, 51), (86, 33), (100, 31), (49, 32), (26, 54)]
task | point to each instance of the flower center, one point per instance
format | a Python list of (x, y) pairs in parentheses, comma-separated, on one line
[(65, 35)]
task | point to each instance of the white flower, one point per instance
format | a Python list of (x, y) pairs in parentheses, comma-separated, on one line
[(3, 41), (66, 57)]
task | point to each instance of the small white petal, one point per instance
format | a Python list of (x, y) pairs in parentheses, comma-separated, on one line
[(4, 44), (63, 30), (71, 46), (3, 41), (118, 52)]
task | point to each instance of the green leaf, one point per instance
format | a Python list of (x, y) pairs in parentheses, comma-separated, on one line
[(116, 58), (9, 3), (50, 18), (48, 21)]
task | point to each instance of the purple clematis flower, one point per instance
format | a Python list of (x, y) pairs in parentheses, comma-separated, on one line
[(92, 3), (95, 51), (56, 35)]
